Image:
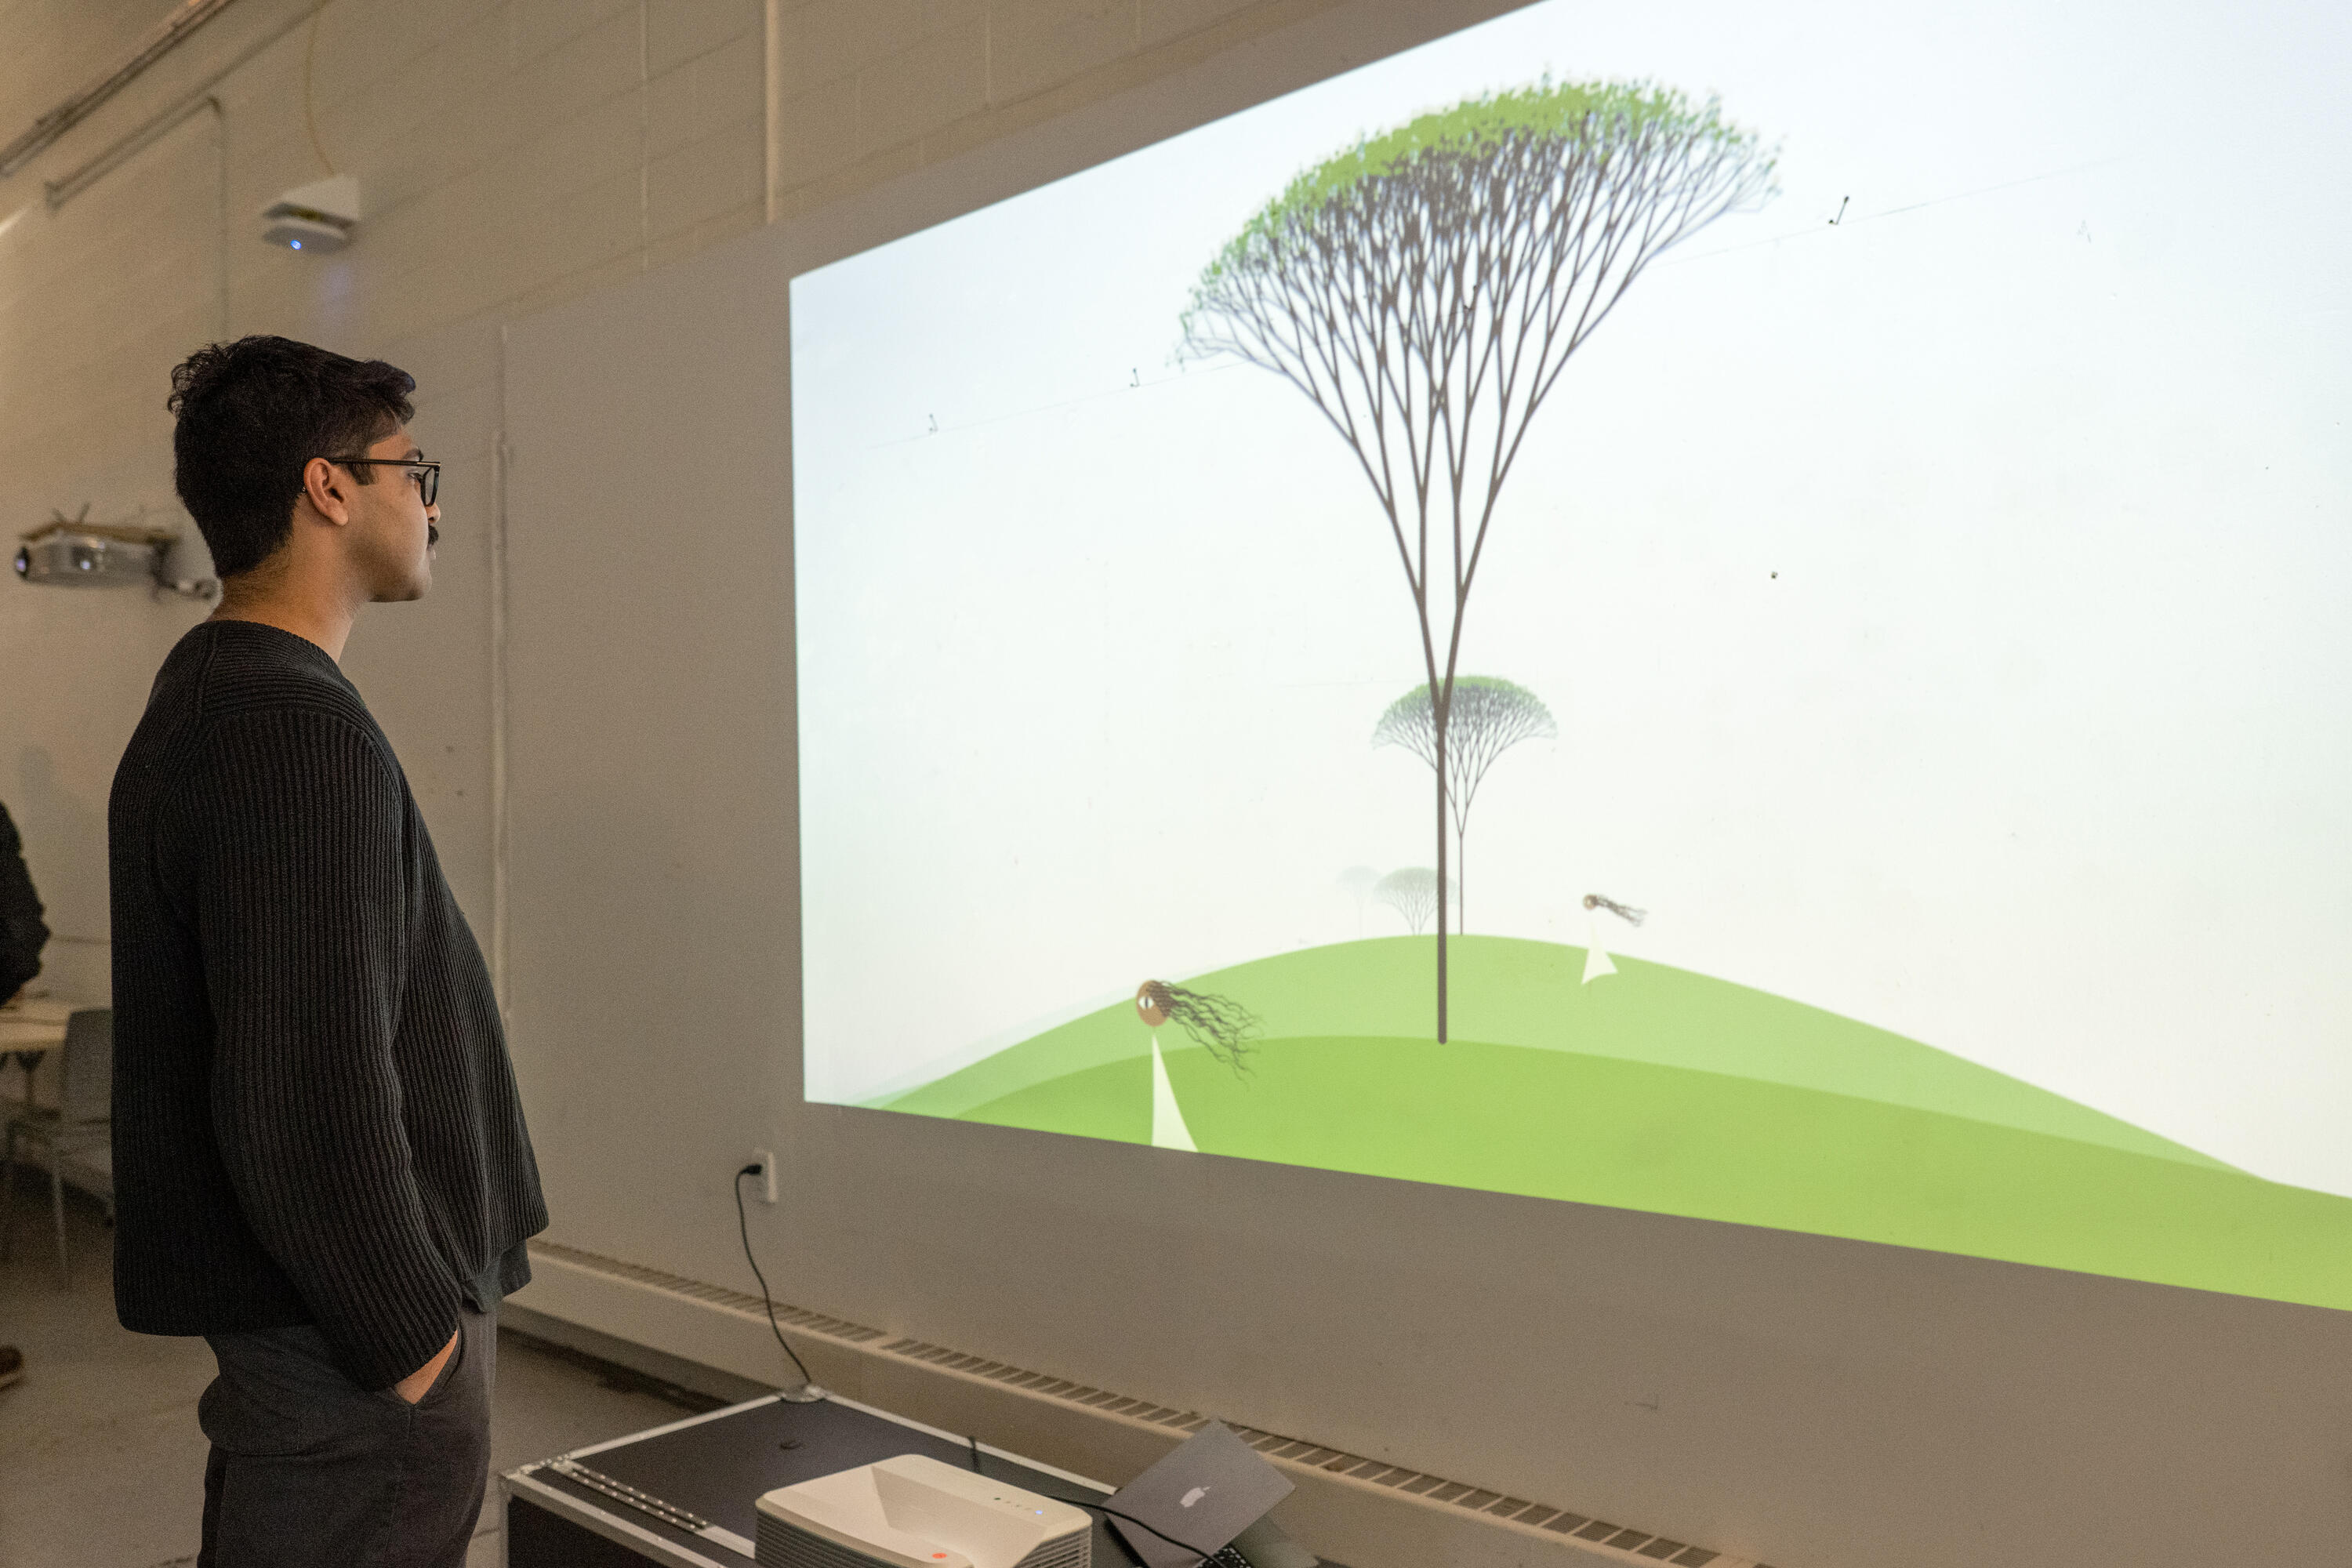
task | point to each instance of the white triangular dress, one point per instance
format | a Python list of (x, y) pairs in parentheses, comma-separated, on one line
[(1596, 963), (1168, 1129)]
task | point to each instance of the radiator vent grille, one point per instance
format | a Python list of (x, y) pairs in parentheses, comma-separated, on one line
[(1076, 1550), (1595, 1535), (781, 1545)]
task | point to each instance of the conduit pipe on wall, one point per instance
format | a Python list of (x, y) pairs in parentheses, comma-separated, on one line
[(60, 192), (160, 40), (65, 188), (502, 839), (771, 98)]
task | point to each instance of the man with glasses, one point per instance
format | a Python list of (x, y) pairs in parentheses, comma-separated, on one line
[(320, 1157)]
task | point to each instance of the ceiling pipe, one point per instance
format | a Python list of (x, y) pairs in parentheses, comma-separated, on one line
[(105, 161), (161, 39)]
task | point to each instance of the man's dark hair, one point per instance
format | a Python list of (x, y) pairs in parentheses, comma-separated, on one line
[(252, 414)]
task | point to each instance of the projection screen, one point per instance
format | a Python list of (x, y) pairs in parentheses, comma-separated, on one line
[(1625, 606)]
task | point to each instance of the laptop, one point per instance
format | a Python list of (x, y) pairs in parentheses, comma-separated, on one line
[(1202, 1494)]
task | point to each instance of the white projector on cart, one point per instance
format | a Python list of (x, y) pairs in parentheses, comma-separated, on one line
[(914, 1512)]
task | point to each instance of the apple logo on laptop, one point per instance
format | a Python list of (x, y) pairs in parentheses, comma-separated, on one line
[(1195, 1495)]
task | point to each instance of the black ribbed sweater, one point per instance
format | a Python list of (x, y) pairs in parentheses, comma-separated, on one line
[(315, 1120)]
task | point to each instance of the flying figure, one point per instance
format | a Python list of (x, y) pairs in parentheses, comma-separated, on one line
[(1596, 961), (1223, 1027)]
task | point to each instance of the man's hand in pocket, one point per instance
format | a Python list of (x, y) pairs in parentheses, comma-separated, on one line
[(412, 1387)]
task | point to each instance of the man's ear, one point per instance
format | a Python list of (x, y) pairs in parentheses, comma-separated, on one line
[(324, 487)]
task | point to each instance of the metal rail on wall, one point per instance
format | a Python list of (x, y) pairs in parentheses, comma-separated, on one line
[(158, 41)]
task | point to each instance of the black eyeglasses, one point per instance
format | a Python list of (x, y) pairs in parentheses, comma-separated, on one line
[(427, 475)]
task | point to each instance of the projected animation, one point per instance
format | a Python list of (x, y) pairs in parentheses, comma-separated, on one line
[(1603, 611), (1426, 290)]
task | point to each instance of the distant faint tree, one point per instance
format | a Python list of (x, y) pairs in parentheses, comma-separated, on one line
[(1228, 1031), (1489, 717), (1358, 882), (1426, 288), (1412, 892)]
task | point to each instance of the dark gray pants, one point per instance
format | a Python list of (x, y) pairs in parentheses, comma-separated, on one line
[(309, 1470)]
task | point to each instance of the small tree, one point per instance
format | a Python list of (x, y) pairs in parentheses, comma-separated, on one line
[(1412, 892), (1489, 717), (1358, 882)]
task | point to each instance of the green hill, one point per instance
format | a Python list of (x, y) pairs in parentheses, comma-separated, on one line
[(1666, 1091), (1511, 992)]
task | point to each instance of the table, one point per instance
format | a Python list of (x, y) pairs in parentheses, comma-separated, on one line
[(684, 1495), (29, 1031)]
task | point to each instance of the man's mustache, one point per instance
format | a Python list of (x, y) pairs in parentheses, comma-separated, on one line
[(432, 535)]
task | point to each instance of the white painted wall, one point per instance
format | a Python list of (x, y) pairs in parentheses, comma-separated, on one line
[(508, 155), (1812, 1402), (512, 153)]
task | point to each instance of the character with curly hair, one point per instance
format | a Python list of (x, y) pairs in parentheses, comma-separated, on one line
[(1219, 1024)]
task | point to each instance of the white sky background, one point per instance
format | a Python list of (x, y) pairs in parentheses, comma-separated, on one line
[(2035, 750)]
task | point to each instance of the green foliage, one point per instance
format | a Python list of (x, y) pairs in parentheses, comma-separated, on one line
[(1485, 716), (1413, 709), (1588, 115)]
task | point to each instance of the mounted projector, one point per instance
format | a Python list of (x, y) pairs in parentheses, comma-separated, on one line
[(914, 1512), (91, 556), (317, 216), (71, 552)]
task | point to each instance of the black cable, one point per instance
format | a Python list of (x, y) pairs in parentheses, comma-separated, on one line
[(971, 1440), (745, 1227), (1099, 1507)]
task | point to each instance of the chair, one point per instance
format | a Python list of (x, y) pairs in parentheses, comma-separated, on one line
[(79, 1121)]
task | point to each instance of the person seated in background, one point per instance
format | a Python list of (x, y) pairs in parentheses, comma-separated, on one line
[(23, 933), (320, 1157)]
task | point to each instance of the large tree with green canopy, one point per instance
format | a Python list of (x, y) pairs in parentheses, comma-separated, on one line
[(1426, 288)]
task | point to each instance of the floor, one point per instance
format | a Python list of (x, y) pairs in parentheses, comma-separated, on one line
[(100, 1462)]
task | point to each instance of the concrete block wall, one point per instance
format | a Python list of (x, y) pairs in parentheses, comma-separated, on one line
[(511, 154)]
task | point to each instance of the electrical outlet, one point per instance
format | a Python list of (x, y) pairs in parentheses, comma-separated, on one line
[(766, 1160)]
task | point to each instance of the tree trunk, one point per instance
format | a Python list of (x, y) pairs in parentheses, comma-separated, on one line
[(1440, 717)]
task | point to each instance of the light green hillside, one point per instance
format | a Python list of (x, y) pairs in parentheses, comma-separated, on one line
[(1671, 1139), (1506, 990)]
